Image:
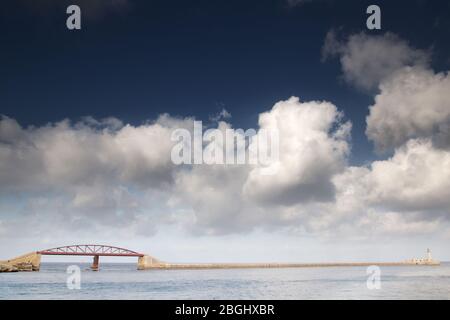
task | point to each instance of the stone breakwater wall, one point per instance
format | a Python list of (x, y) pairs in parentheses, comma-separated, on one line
[(32, 262), (156, 264)]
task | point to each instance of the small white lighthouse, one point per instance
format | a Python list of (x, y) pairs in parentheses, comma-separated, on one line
[(429, 258)]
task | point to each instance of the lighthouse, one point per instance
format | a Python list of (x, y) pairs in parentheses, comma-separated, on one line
[(429, 258)]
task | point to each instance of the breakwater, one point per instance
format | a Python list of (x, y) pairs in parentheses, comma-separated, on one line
[(147, 262), (32, 261)]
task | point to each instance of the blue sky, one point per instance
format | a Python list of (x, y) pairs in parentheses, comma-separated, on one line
[(145, 58), (135, 60)]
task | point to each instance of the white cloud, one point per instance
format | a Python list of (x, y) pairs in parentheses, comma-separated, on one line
[(231, 199), (368, 60), (63, 155), (215, 197), (409, 192), (104, 172), (406, 194), (394, 223), (412, 100), (416, 178), (103, 175), (412, 103), (313, 147), (88, 174)]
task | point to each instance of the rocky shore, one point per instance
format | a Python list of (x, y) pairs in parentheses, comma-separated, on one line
[(27, 262), (7, 268)]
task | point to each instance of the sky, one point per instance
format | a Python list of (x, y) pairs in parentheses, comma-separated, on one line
[(363, 117)]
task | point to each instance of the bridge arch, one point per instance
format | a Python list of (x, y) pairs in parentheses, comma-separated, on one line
[(95, 250), (91, 250)]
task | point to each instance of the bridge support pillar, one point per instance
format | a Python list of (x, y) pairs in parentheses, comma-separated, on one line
[(94, 266)]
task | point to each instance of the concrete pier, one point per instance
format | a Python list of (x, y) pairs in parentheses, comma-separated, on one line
[(162, 265), (148, 262)]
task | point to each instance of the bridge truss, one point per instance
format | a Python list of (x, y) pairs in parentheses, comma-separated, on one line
[(90, 250)]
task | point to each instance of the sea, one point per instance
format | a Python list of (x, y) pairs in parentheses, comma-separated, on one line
[(123, 281)]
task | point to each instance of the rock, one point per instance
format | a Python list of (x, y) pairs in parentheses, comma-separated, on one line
[(23, 266), (8, 268)]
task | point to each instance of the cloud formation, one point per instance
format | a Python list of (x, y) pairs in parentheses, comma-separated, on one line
[(85, 175), (313, 147), (414, 102), (98, 174), (411, 100), (63, 155), (103, 174), (411, 117), (367, 60), (416, 178)]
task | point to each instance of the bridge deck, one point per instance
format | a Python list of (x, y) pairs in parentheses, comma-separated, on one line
[(100, 254), (90, 250)]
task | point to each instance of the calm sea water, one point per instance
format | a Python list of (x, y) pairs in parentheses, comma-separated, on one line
[(123, 281)]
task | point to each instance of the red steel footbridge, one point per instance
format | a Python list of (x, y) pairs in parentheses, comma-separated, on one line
[(32, 261), (94, 250)]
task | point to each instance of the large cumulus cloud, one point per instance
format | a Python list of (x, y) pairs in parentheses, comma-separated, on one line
[(108, 176), (367, 60), (107, 173), (411, 118), (313, 147), (413, 102), (416, 178), (104, 174), (86, 174), (64, 155)]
